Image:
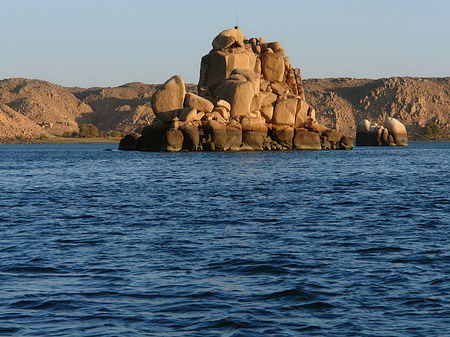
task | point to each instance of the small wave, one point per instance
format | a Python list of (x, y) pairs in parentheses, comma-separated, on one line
[(45, 305), (422, 301), (388, 249), (247, 333), (205, 294), (309, 328), (317, 306), (226, 323), (250, 267), (293, 294), (79, 242), (4, 331), (31, 270)]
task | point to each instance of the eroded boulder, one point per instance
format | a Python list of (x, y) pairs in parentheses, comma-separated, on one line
[(392, 134), (168, 100), (397, 130)]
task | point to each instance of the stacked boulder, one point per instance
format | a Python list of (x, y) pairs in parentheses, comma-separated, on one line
[(249, 98), (393, 133)]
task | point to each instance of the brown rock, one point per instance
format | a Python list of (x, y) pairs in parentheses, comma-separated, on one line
[(228, 38), (284, 112), (333, 136), (253, 140), (275, 46), (169, 98), (272, 67), (250, 76), (188, 114), (172, 141), (366, 133), (152, 135), (306, 140), (279, 88), (256, 103), (301, 117), (223, 112), (346, 143), (283, 135), (397, 130), (218, 65), (267, 98), (191, 137), (225, 138), (224, 104), (128, 143), (199, 103), (267, 112), (240, 94)]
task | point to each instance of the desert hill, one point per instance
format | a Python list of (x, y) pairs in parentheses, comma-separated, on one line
[(35, 108)]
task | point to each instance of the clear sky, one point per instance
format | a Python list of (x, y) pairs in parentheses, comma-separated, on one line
[(111, 42)]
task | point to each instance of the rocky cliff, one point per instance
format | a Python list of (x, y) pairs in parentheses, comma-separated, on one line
[(35, 108)]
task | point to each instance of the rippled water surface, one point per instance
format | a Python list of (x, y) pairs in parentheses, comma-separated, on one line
[(110, 243)]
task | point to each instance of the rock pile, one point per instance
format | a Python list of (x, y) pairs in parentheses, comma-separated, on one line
[(249, 98), (392, 134)]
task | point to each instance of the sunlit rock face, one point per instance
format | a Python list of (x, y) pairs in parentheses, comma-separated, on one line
[(250, 98)]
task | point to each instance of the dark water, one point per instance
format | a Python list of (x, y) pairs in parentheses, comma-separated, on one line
[(109, 243)]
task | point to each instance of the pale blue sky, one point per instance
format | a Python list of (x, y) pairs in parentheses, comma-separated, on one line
[(111, 42)]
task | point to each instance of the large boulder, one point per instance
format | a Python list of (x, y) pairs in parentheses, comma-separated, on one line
[(191, 137), (169, 99), (199, 103), (254, 133), (301, 117), (306, 140), (218, 65), (284, 112), (228, 38), (234, 132), (365, 133), (250, 76), (283, 135), (397, 130), (152, 135), (272, 67), (128, 143), (188, 114), (240, 95), (224, 137), (172, 141), (393, 133), (346, 143), (333, 137)]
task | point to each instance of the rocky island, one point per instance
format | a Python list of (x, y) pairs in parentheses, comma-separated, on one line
[(249, 98)]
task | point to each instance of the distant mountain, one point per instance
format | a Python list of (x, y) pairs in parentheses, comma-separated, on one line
[(31, 108), (35, 108)]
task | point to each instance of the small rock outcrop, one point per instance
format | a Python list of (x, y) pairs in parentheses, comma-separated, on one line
[(249, 98), (393, 133)]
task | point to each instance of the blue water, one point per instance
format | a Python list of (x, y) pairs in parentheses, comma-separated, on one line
[(111, 243)]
